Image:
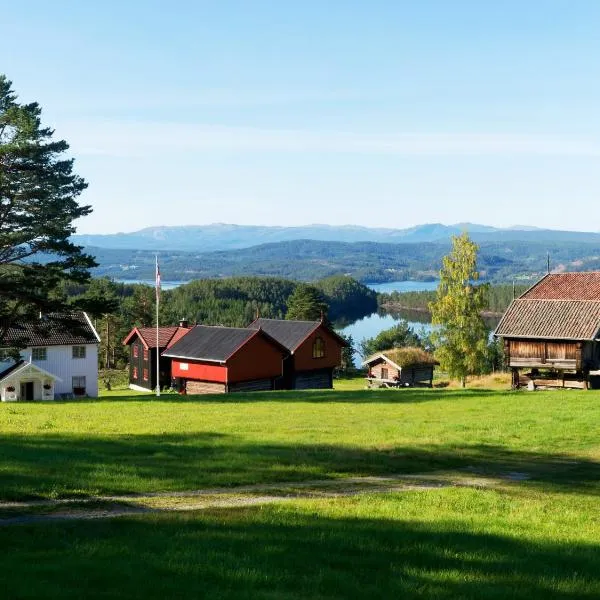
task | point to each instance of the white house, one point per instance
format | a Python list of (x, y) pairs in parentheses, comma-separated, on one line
[(59, 360)]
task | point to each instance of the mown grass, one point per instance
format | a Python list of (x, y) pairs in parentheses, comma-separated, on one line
[(535, 537), (453, 543), (129, 444)]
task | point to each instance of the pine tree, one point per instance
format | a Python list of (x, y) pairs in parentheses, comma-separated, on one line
[(38, 192), (462, 337), (306, 304)]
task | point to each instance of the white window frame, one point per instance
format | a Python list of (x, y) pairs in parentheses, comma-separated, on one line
[(76, 381), (42, 353), (79, 352)]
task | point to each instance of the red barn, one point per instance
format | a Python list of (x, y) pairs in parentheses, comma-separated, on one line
[(142, 355), (314, 350), (226, 359)]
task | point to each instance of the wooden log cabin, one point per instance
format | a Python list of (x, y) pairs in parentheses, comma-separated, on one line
[(551, 333), (400, 367)]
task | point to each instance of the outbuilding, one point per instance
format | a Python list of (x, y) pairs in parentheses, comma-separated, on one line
[(314, 351), (551, 332), (212, 359), (400, 367)]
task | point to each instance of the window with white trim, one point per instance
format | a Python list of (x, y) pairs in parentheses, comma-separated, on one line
[(39, 353), (78, 351), (79, 384)]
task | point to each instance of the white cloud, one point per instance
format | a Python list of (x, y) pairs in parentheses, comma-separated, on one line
[(139, 139)]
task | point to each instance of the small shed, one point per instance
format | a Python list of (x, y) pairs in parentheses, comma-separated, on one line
[(400, 367)]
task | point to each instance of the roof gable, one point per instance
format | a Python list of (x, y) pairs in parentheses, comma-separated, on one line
[(22, 367), (56, 329), (167, 336), (291, 334)]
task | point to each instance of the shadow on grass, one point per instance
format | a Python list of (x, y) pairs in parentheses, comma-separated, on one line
[(284, 553), (375, 396), (54, 465)]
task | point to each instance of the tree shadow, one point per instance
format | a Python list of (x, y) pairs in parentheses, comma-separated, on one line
[(53, 465), (374, 396), (280, 552)]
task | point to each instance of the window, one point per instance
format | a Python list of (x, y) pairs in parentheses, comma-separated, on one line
[(134, 374), (145, 374), (39, 353), (135, 351), (318, 348), (384, 373), (145, 353), (78, 351), (79, 385)]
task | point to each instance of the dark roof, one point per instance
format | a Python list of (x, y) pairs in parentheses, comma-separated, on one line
[(566, 286), (167, 336), (291, 334), (214, 344), (52, 330), (10, 369)]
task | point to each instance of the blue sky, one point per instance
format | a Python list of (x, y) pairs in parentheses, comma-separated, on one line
[(380, 113)]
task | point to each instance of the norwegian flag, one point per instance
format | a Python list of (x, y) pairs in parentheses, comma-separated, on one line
[(157, 279)]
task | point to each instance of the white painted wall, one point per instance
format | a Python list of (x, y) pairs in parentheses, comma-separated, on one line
[(60, 362)]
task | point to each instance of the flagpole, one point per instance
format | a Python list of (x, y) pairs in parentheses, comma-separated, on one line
[(157, 346)]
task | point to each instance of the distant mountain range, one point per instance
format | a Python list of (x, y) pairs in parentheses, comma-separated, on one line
[(219, 236)]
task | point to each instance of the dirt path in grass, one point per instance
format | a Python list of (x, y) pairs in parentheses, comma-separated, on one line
[(102, 507)]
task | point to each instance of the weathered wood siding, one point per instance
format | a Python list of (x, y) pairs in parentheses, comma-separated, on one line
[(375, 370), (416, 374), (204, 387), (542, 353)]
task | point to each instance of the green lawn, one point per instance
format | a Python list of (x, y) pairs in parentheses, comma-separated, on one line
[(537, 534)]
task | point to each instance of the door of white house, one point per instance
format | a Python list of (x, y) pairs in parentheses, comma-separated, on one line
[(27, 390)]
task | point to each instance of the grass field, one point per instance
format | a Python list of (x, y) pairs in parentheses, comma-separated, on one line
[(532, 531)]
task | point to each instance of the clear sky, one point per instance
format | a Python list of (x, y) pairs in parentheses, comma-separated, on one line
[(380, 113)]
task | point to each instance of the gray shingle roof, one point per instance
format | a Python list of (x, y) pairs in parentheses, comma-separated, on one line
[(214, 344), (551, 319), (52, 330), (289, 334)]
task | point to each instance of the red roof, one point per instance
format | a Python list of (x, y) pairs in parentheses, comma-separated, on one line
[(167, 336), (566, 286)]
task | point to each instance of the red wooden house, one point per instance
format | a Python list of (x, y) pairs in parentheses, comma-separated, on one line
[(142, 355), (314, 350), (225, 359)]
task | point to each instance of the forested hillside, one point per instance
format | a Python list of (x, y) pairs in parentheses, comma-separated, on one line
[(498, 298), (309, 260), (117, 307)]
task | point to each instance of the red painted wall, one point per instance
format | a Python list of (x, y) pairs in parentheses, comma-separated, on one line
[(303, 356), (199, 370), (257, 359)]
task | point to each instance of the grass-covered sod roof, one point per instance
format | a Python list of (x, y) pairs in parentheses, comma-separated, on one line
[(405, 357)]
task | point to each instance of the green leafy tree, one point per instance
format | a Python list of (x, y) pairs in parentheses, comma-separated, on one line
[(398, 336), (461, 339), (38, 205), (306, 303)]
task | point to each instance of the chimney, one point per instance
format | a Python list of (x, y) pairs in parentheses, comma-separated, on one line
[(183, 323)]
